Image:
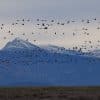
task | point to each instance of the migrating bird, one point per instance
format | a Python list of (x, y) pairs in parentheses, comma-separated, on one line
[(34, 40), (2, 24), (52, 20), (23, 24), (68, 22), (17, 20), (12, 33), (95, 19), (73, 34), (62, 24), (88, 21), (28, 20), (13, 24), (82, 20), (55, 33), (1, 28), (5, 38), (23, 34), (63, 33), (38, 20), (98, 28), (23, 20), (9, 31), (46, 28)]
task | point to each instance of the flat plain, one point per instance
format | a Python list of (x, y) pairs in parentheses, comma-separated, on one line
[(50, 93)]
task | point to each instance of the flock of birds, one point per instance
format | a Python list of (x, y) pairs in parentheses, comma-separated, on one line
[(53, 28), (44, 26)]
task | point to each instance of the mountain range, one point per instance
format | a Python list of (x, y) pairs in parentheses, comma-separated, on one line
[(25, 64)]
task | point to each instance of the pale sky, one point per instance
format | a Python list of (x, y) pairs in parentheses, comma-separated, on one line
[(59, 8)]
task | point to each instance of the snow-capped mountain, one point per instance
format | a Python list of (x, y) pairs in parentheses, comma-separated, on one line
[(20, 44), (22, 63)]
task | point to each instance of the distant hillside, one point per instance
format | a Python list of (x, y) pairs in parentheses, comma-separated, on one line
[(22, 63)]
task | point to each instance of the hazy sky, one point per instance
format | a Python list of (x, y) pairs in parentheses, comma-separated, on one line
[(52, 8)]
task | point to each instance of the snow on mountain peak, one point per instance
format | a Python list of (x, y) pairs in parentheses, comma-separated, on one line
[(19, 43)]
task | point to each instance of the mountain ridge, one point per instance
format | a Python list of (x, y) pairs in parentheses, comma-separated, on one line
[(19, 44), (28, 67)]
